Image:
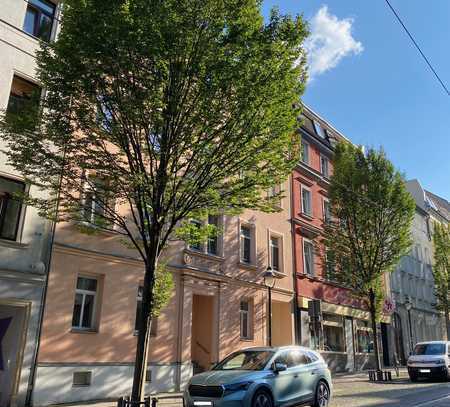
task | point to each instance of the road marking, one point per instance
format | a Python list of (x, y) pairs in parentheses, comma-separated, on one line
[(432, 401)]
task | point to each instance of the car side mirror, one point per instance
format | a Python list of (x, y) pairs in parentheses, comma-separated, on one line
[(279, 367)]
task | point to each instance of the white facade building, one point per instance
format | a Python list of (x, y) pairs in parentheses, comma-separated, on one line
[(24, 236), (412, 283)]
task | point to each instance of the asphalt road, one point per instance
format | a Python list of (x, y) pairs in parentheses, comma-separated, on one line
[(359, 392)]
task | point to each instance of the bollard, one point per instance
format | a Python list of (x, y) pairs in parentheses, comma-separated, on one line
[(154, 401)]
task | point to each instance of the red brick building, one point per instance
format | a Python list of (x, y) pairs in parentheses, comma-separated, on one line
[(342, 330)]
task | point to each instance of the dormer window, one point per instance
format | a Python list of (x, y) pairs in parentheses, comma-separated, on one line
[(319, 129)]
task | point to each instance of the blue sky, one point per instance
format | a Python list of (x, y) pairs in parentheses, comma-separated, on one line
[(372, 85)]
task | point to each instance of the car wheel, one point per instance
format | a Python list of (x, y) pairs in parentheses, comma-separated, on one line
[(262, 399), (322, 398)]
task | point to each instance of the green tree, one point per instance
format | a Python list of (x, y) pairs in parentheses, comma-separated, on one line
[(169, 109), (370, 230), (441, 269)]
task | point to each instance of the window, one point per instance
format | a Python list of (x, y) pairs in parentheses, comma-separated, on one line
[(308, 257), (330, 266), (333, 333), (305, 152), (275, 253), (81, 379), (319, 129), (196, 245), (154, 326), (324, 166), (212, 246), (85, 303), (297, 358), (245, 319), (10, 207), (39, 19), (364, 337), (306, 201), (246, 244), (24, 95), (96, 202), (326, 211)]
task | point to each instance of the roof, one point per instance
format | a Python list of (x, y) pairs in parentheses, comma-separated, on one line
[(442, 206)]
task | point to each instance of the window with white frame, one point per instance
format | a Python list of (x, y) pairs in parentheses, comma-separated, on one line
[(305, 152), (326, 210), (96, 202), (324, 166), (245, 319), (10, 207), (196, 245), (246, 244), (85, 303), (319, 129), (308, 257), (137, 322), (306, 201), (275, 253), (212, 244)]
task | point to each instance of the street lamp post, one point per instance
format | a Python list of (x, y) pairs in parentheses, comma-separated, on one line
[(408, 305), (269, 282)]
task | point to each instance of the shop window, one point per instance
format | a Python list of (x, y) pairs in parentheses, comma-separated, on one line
[(333, 333), (10, 207), (364, 337), (39, 19)]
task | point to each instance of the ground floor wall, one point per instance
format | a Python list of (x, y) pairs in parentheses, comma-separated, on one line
[(208, 317), (343, 336), (419, 326), (20, 299)]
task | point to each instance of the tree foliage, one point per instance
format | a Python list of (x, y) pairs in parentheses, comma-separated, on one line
[(156, 111), (441, 269), (370, 231)]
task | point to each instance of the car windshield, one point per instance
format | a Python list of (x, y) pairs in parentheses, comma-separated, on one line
[(430, 349), (245, 360)]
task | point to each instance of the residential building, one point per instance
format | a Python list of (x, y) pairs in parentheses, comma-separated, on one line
[(412, 283), (24, 236), (329, 318), (219, 304)]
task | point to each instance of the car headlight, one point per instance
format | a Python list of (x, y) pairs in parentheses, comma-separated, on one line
[(231, 388), (440, 362)]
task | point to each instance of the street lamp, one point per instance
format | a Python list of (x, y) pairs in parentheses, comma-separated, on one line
[(408, 306), (269, 282)]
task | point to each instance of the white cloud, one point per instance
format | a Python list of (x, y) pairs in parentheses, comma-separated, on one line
[(330, 40)]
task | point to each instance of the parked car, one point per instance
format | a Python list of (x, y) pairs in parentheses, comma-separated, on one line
[(430, 359), (263, 377)]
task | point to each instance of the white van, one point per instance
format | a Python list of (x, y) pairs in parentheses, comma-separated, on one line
[(430, 359)]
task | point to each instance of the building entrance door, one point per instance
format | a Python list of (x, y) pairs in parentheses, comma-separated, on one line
[(202, 332), (12, 336)]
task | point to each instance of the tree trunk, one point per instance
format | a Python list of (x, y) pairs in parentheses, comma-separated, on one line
[(373, 317), (144, 330)]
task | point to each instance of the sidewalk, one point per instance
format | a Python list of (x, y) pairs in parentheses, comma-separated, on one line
[(361, 375)]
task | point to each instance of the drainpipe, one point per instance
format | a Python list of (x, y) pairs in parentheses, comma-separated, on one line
[(33, 369), (297, 324)]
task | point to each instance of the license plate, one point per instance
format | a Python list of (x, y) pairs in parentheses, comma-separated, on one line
[(203, 403), (425, 371)]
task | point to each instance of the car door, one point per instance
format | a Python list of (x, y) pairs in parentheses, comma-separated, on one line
[(283, 387), (303, 376)]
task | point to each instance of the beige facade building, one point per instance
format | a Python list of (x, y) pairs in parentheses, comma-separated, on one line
[(24, 236), (219, 304)]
